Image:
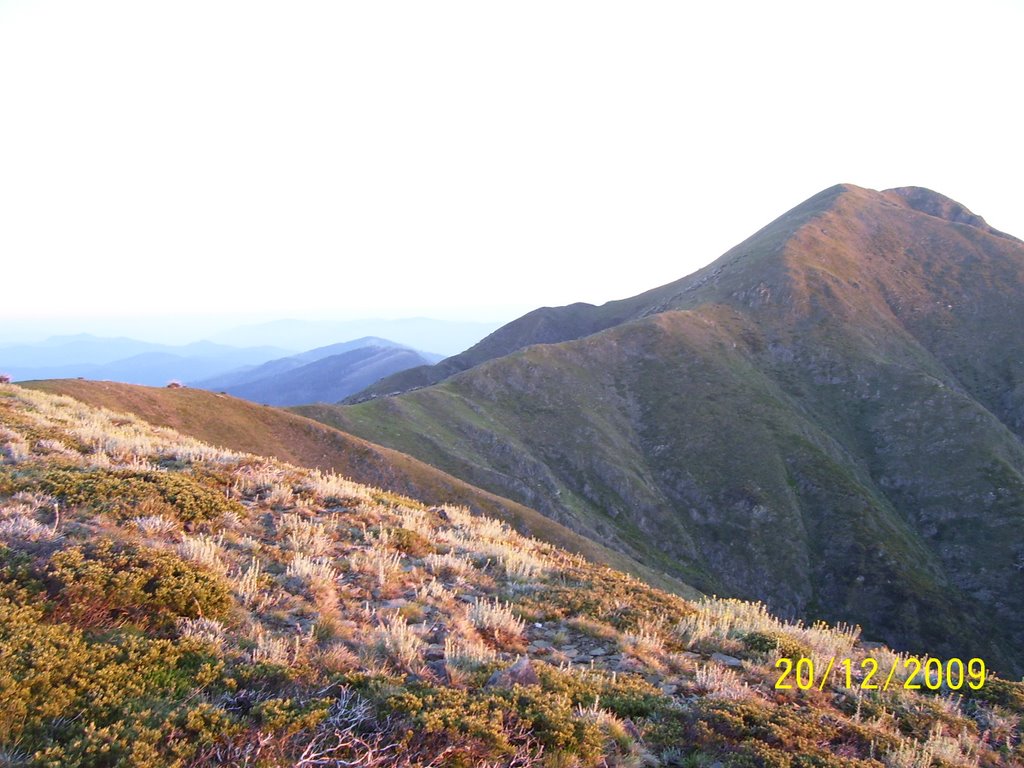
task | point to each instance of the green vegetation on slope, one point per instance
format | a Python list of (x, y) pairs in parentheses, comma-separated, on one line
[(314, 621), (243, 426)]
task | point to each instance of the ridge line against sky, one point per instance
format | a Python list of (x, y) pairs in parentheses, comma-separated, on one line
[(463, 158)]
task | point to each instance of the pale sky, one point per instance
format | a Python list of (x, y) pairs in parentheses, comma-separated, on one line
[(469, 159)]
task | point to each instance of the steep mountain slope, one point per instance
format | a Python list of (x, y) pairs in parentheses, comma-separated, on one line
[(327, 378), (167, 603), (829, 418), (243, 426), (710, 284)]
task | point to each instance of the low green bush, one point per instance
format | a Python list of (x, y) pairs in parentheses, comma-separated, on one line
[(8, 484), (496, 719), (777, 645), (106, 584), (622, 694), (123, 492), (18, 575), (607, 596), (755, 734), (410, 542), (1002, 693), (60, 688), (557, 713)]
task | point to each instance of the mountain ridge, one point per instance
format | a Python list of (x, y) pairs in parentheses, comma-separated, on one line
[(555, 324), (282, 364), (328, 379), (853, 368), (324, 374)]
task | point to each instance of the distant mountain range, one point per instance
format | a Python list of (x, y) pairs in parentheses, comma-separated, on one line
[(446, 337), (325, 374), (266, 374), (830, 418), (125, 359), (228, 352)]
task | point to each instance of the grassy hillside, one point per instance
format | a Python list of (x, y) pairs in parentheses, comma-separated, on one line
[(167, 603), (829, 418), (243, 426)]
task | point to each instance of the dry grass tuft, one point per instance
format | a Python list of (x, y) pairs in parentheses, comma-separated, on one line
[(157, 526), (496, 618), (205, 550), (205, 630), (448, 565), (718, 620), (379, 564), (718, 682), (333, 489), (26, 528), (399, 644), (466, 653), (307, 536), (249, 586), (312, 571)]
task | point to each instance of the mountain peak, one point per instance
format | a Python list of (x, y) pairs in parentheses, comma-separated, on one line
[(843, 226), (938, 205)]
